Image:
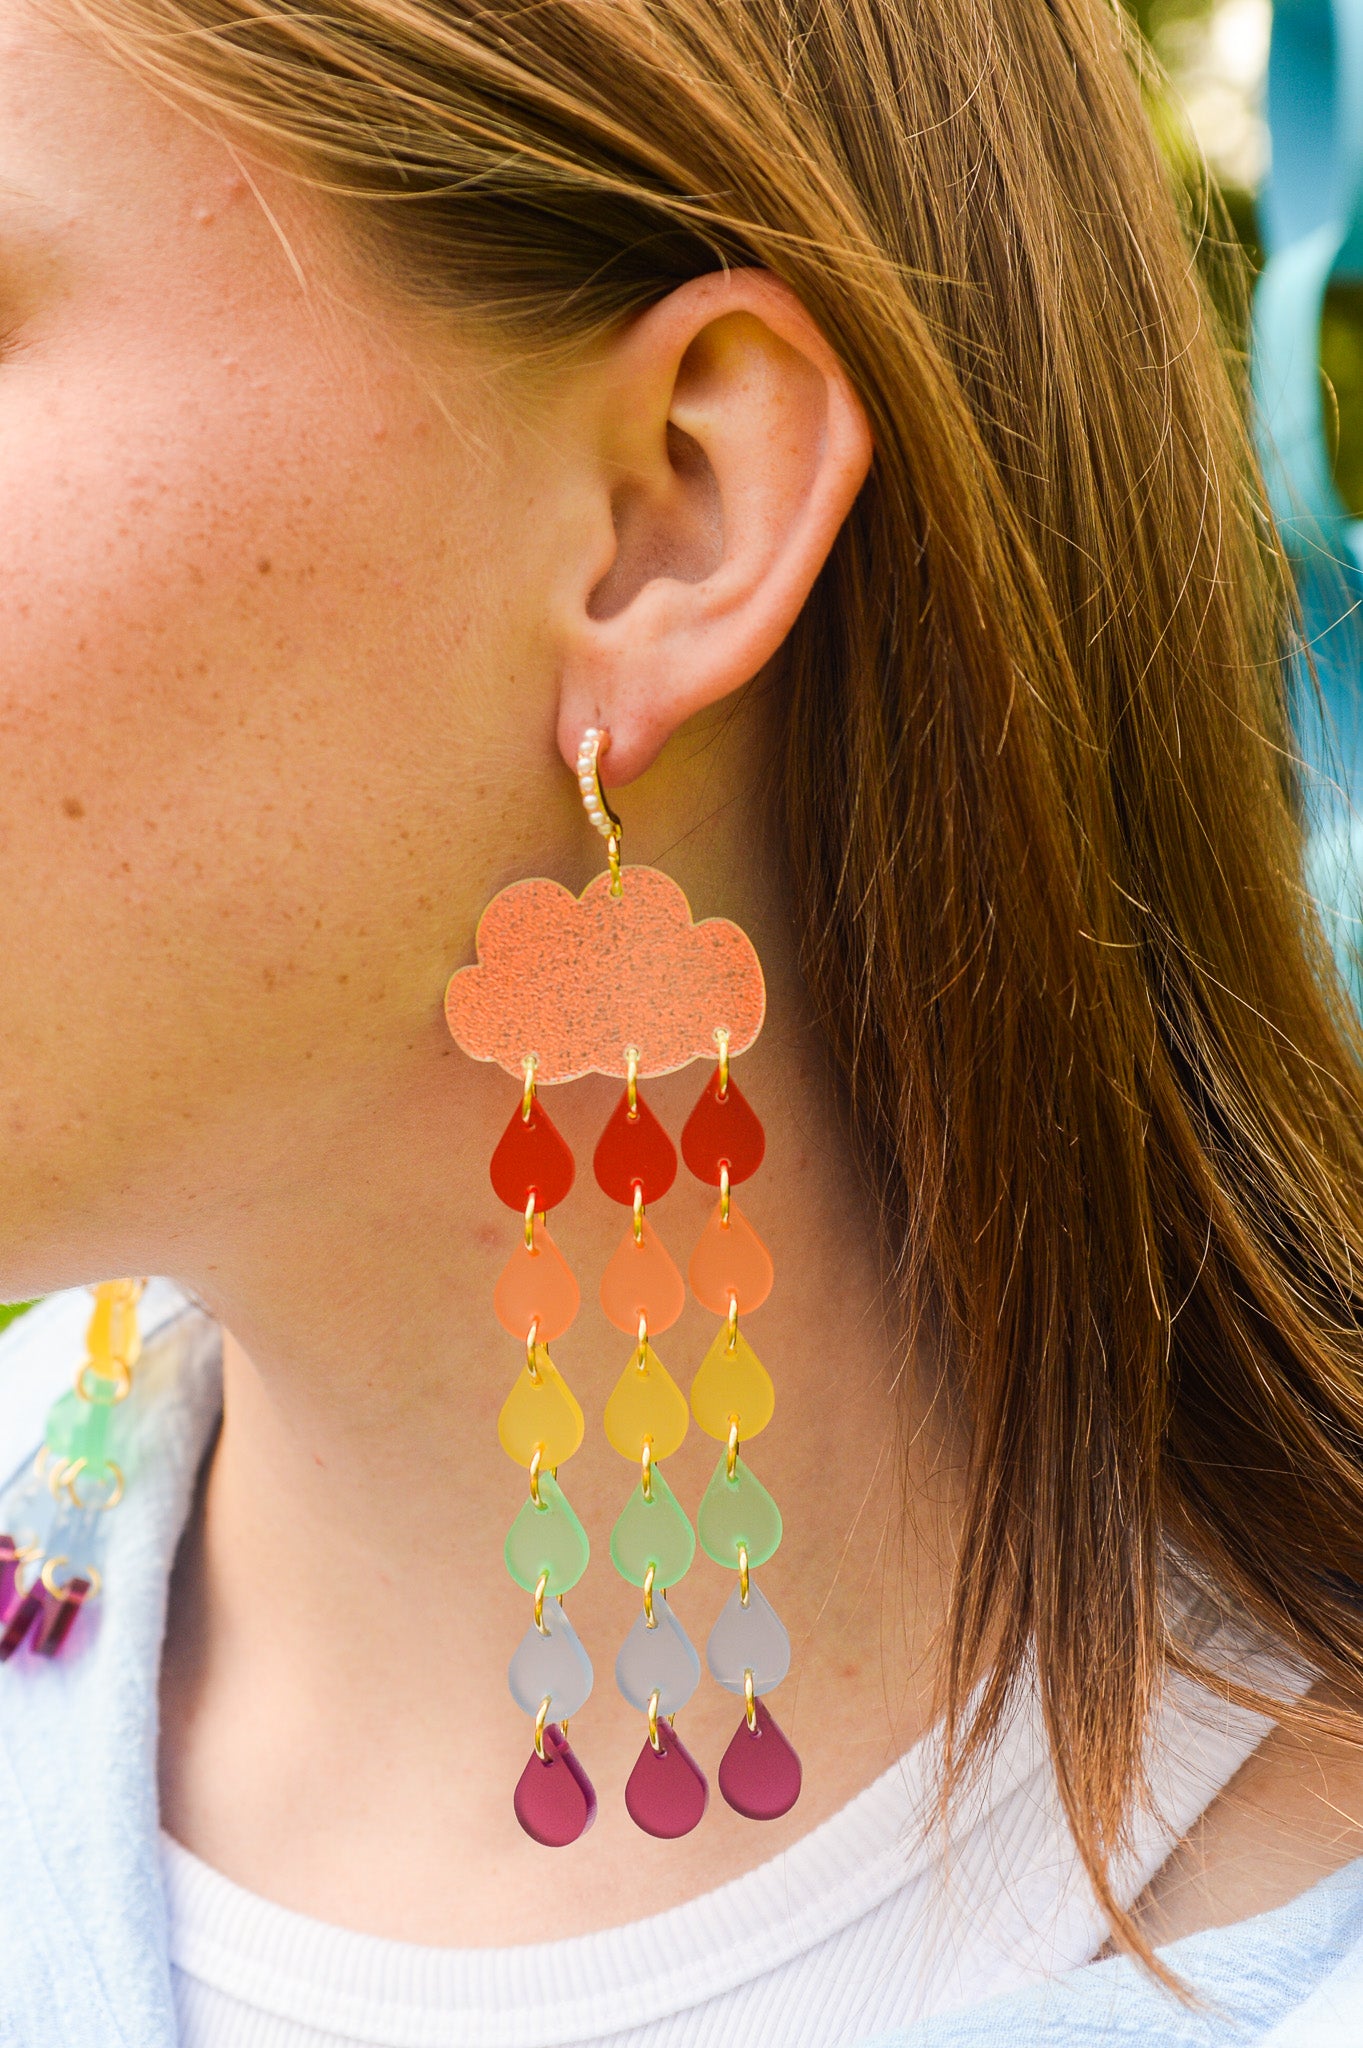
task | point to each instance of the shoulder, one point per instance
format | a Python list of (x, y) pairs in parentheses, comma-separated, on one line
[(1291, 1816), (1291, 1978)]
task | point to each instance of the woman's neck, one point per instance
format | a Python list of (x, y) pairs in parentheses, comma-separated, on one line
[(337, 1731)]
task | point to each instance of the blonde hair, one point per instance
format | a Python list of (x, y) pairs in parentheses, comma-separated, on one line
[(1103, 1076)]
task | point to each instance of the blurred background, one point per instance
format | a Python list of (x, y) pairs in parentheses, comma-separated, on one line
[(1206, 92)]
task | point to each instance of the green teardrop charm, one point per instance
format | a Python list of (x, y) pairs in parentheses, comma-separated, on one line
[(653, 1532), (738, 1511), (92, 1430), (548, 1538)]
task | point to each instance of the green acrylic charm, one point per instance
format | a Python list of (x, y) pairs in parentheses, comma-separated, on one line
[(653, 1532), (738, 1512), (82, 1429), (548, 1538)]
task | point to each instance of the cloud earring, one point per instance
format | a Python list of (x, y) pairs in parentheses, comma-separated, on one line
[(617, 981)]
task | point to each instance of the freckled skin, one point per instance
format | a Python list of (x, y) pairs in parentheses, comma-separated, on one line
[(254, 643), (291, 584)]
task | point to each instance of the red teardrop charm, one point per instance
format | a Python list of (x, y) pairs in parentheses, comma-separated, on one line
[(760, 1774), (666, 1793), (634, 1148), (722, 1129), (531, 1157), (555, 1801)]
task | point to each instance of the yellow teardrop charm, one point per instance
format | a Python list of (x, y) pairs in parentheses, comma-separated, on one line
[(540, 1415), (647, 1404), (732, 1386)]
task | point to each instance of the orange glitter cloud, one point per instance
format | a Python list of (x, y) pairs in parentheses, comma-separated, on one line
[(577, 980)]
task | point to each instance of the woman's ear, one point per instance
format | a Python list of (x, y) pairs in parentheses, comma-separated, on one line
[(725, 449)]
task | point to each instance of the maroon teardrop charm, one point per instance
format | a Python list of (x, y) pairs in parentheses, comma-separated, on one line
[(60, 1612), (555, 1801), (532, 1158), (760, 1774), (722, 1130), (634, 1149), (666, 1793), (9, 1577)]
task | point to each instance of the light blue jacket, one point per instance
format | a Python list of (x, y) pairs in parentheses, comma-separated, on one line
[(83, 1948)]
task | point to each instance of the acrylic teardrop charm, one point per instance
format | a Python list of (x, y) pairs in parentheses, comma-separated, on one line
[(660, 1659), (732, 1386), (10, 1591), (532, 1159), (58, 1616), (555, 1800), (653, 1532), (646, 1405), (536, 1286), (722, 1130), (752, 1638), (551, 1664), (666, 1793), (759, 1773), (730, 1263), (548, 1538), (111, 1335), (641, 1280), (736, 1514), (540, 1414), (634, 1151)]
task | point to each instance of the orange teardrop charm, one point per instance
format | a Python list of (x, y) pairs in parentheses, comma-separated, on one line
[(641, 1280), (536, 1285), (730, 1262)]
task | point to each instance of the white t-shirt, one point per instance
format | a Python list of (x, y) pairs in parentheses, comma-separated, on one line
[(868, 1923)]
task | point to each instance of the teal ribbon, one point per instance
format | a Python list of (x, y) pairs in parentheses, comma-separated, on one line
[(1311, 218)]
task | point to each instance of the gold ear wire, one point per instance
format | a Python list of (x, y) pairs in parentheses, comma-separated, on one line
[(595, 741)]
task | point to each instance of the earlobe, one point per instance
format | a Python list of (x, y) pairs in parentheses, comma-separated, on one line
[(731, 448)]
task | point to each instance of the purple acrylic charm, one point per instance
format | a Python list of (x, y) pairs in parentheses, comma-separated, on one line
[(555, 1801), (58, 1617), (20, 1619), (9, 1577), (667, 1792), (50, 1617), (760, 1774)]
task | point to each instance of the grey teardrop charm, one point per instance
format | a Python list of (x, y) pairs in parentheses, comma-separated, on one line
[(661, 1660), (554, 1665), (751, 1638)]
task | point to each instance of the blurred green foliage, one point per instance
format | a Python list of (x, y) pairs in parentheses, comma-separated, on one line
[(10, 1310), (1341, 355)]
